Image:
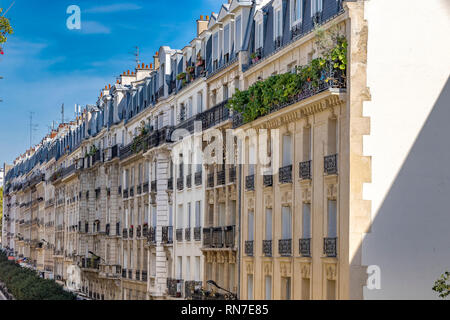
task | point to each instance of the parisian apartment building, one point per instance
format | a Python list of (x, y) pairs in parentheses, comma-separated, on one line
[(293, 149)]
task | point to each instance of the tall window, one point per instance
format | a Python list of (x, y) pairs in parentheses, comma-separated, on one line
[(180, 217), (306, 234), (216, 46), (297, 11), (198, 214), (197, 269), (286, 288), (259, 37), (332, 136), (222, 214), (238, 33), (316, 6), (286, 223), (189, 218), (226, 39), (268, 224), (332, 219), (180, 267), (278, 24), (287, 150), (250, 287), (199, 102), (268, 285), (307, 144), (251, 225)]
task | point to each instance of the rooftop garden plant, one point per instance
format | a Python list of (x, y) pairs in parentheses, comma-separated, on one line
[(277, 90)]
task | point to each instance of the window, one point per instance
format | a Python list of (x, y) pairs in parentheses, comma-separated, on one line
[(250, 287), (238, 33), (180, 268), (332, 136), (180, 217), (268, 224), (251, 160), (197, 269), (306, 234), (286, 223), (189, 218), (332, 219), (216, 46), (286, 288), (222, 214), (307, 144), (225, 92), (199, 102), (316, 6), (268, 285), (306, 284), (188, 268), (297, 11), (278, 24), (287, 154), (198, 214), (251, 226), (259, 34), (226, 40)]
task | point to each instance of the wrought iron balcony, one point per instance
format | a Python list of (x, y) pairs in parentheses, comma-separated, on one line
[(138, 232), (144, 276), (138, 275), (125, 193), (207, 237), (232, 174), (221, 178), (285, 247), (331, 164), (189, 181), (151, 236), (218, 237), (198, 178), (305, 247), (145, 230), (286, 174), (132, 192), (211, 180), (167, 235), (179, 234), (190, 287), (154, 186), (198, 234), (230, 236), (131, 233), (130, 274), (139, 190), (145, 187), (187, 234), (170, 184), (124, 273), (305, 170), (267, 248), (249, 248), (180, 184), (330, 247), (250, 183), (268, 180), (174, 287), (125, 233)]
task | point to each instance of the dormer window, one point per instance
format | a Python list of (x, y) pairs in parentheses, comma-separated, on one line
[(278, 24), (238, 27), (226, 43), (316, 7), (296, 12), (259, 34)]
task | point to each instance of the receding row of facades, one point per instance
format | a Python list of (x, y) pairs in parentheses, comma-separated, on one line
[(113, 206)]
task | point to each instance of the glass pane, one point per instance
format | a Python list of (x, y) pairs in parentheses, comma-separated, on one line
[(332, 219)]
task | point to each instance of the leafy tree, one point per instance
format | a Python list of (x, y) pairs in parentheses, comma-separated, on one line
[(442, 286), (5, 28)]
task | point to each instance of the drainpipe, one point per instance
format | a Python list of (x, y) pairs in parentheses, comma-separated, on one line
[(240, 223)]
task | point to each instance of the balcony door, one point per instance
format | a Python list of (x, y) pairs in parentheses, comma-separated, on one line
[(286, 223)]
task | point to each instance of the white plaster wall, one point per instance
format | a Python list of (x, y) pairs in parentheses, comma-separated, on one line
[(408, 74)]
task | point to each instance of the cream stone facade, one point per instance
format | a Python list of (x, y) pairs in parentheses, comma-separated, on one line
[(160, 191)]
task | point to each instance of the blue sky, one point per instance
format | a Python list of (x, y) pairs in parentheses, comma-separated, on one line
[(45, 64)]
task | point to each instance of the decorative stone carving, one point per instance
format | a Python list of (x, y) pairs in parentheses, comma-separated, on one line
[(249, 267), (286, 197), (269, 201), (305, 269), (268, 268), (285, 269), (251, 203), (331, 271), (332, 191)]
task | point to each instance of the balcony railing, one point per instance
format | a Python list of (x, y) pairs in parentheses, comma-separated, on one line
[(145, 187), (167, 235), (190, 287), (179, 234), (138, 275), (180, 184), (285, 247), (144, 276), (221, 237), (132, 192), (138, 232), (331, 164), (125, 233), (174, 287), (211, 180), (267, 248), (268, 180), (232, 174), (250, 183), (221, 178), (330, 247), (154, 186), (151, 237), (189, 181), (286, 174), (305, 247), (131, 233), (305, 170), (170, 184), (198, 178), (249, 248), (124, 273), (187, 234), (198, 234)]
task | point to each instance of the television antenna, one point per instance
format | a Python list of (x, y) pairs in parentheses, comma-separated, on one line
[(33, 128), (136, 55)]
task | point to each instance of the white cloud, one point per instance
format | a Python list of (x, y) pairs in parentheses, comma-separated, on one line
[(113, 8), (94, 27)]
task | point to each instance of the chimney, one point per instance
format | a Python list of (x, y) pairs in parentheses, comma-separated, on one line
[(156, 58), (202, 25)]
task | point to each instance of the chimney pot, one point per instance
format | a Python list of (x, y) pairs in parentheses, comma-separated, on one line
[(128, 72)]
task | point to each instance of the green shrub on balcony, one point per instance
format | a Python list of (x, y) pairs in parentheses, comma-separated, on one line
[(277, 90)]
